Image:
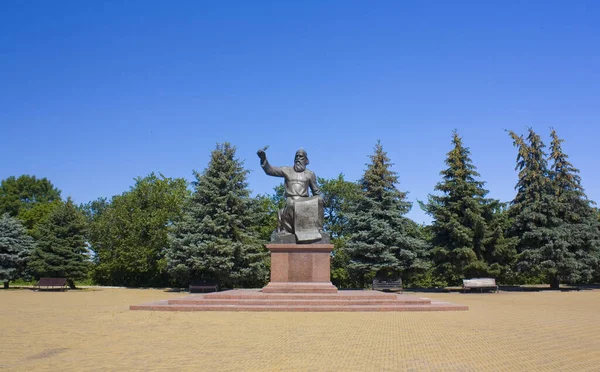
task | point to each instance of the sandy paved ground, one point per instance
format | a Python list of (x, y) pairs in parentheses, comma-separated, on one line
[(94, 330)]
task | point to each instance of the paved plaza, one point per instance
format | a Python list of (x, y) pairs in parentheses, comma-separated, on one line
[(94, 329)]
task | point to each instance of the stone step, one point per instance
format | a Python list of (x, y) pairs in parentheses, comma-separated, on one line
[(164, 306), (300, 287), (297, 302), (351, 295)]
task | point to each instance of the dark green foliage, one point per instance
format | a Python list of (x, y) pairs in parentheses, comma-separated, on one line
[(25, 192), (338, 195), (467, 239), (15, 247), (33, 216), (95, 208), (580, 226), (552, 218), (267, 207), (501, 252), (129, 234), (534, 211), (217, 238), (382, 241), (29, 199), (61, 248)]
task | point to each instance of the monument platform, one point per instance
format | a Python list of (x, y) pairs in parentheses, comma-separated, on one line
[(257, 300)]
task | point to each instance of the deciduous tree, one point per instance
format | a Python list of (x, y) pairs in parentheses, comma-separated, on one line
[(129, 234), (338, 195), (28, 198), (25, 192)]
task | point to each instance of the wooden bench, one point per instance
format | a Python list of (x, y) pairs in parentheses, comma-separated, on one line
[(481, 283), (387, 285), (202, 286), (52, 283)]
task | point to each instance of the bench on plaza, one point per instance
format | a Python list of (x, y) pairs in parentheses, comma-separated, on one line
[(202, 286), (387, 285), (52, 283), (480, 283)]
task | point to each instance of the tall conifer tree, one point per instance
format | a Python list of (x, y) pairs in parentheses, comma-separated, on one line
[(15, 247), (536, 221), (217, 238), (382, 241), (61, 248), (580, 225), (463, 219)]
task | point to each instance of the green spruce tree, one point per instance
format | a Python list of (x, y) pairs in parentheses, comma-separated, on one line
[(61, 248), (15, 248), (534, 213), (383, 243), (463, 235), (580, 228), (501, 248), (217, 238)]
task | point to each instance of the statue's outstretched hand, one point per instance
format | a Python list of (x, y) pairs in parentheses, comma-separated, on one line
[(262, 155)]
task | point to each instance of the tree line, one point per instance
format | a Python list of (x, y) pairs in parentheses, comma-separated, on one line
[(161, 232)]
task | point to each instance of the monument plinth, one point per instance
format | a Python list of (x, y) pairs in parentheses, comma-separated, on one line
[(300, 268)]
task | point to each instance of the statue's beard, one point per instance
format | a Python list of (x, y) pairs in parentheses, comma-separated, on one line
[(299, 167)]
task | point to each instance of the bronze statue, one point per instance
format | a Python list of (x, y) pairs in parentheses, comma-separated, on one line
[(301, 220)]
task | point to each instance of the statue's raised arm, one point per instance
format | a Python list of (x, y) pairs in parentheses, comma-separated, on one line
[(268, 168)]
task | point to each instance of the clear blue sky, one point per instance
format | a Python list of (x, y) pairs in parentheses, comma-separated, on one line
[(96, 93)]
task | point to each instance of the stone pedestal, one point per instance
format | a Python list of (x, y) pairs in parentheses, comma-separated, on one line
[(300, 268)]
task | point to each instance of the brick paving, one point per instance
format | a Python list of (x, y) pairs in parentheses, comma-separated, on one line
[(95, 330)]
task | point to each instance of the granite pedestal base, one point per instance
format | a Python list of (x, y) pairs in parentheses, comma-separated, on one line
[(257, 300), (300, 268)]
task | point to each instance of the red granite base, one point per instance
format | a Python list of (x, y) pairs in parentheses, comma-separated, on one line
[(255, 300), (300, 263)]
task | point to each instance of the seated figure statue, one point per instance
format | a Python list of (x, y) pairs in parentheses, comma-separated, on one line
[(301, 220)]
